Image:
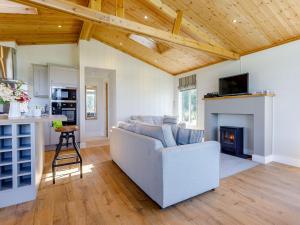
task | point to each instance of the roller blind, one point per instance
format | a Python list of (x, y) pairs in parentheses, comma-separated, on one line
[(187, 83)]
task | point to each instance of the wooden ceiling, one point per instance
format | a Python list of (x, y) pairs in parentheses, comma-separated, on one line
[(240, 26)]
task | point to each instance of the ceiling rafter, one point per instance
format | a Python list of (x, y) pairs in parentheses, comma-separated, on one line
[(178, 22), (120, 8), (88, 14), (87, 27)]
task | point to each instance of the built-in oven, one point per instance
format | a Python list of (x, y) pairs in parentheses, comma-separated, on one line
[(63, 94), (65, 108)]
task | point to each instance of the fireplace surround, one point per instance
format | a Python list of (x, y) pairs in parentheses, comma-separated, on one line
[(260, 107)]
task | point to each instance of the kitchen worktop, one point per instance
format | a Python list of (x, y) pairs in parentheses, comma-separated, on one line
[(31, 119)]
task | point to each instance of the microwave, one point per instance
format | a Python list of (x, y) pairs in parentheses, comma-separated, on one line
[(63, 94)]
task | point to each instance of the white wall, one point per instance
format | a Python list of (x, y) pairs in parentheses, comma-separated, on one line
[(140, 88), (62, 54), (276, 69)]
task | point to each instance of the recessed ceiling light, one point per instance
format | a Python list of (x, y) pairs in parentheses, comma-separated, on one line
[(59, 26), (121, 43), (145, 17), (234, 21)]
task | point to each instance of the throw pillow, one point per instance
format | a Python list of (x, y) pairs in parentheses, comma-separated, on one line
[(127, 126), (170, 119), (162, 133), (188, 136)]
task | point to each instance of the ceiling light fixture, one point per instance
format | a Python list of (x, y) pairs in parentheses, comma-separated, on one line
[(145, 17), (59, 26), (234, 21), (121, 43)]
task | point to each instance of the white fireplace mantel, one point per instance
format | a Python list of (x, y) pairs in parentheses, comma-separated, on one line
[(259, 106)]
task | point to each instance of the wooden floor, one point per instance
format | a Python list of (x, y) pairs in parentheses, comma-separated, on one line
[(262, 195)]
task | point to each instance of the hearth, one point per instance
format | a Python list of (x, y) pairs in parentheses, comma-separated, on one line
[(232, 141)]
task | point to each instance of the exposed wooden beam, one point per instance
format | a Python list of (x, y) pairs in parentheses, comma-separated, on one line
[(87, 27), (120, 8), (165, 9), (88, 14), (178, 22)]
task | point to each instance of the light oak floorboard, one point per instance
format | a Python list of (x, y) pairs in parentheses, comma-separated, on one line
[(266, 194)]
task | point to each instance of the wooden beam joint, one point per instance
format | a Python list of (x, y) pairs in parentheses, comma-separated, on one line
[(120, 12), (178, 22)]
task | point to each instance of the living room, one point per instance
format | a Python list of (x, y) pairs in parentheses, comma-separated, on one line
[(149, 112)]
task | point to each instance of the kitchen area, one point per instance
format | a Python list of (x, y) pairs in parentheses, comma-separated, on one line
[(27, 112)]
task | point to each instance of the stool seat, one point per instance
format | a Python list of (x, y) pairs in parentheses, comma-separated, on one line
[(66, 133), (70, 128)]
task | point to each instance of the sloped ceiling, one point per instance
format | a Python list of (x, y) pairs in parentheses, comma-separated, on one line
[(237, 25)]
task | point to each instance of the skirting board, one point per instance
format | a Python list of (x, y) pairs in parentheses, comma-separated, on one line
[(262, 159), (276, 158)]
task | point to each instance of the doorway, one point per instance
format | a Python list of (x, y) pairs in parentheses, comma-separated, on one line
[(99, 103)]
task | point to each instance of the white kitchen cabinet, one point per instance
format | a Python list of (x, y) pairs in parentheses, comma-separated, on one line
[(63, 76), (40, 81)]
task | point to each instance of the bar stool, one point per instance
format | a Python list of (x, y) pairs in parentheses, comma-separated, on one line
[(66, 132)]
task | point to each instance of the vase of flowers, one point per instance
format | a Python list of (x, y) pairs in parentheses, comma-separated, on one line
[(14, 95)]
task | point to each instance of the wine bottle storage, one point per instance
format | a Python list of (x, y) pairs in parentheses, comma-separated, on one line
[(24, 180), (24, 168), (5, 171), (6, 184), (5, 144), (24, 155), (5, 157), (24, 142), (23, 129), (5, 130)]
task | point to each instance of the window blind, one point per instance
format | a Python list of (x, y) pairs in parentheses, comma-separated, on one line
[(187, 83)]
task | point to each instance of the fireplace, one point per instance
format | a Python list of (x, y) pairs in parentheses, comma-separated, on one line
[(232, 141)]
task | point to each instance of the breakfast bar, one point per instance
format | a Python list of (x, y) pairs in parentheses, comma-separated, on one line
[(21, 157)]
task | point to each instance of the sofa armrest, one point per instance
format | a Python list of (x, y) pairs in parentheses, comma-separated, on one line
[(189, 170)]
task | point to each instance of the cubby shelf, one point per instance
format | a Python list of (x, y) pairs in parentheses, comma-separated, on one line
[(24, 167), (6, 184), (5, 131), (5, 144), (16, 166), (5, 171), (23, 129), (24, 180)]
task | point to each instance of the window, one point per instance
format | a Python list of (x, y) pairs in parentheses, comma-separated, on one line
[(188, 107), (91, 103)]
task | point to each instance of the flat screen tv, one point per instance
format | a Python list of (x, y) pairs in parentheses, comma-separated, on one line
[(234, 85)]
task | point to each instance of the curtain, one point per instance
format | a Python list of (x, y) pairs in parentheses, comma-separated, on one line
[(187, 83)]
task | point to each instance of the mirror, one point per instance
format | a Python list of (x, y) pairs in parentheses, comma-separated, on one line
[(90, 102)]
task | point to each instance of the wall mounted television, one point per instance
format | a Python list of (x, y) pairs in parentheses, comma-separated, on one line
[(234, 85)]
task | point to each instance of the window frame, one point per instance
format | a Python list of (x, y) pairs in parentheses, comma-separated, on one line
[(180, 108)]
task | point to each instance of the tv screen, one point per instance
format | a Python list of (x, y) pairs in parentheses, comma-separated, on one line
[(234, 85)]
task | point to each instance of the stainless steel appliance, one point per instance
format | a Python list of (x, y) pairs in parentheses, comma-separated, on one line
[(63, 102), (65, 108), (63, 94)]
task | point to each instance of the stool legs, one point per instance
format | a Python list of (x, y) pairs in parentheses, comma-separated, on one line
[(57, 150), (66, 135), (78, 154)]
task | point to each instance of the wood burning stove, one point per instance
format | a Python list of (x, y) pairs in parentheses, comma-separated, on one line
[(232, 141)]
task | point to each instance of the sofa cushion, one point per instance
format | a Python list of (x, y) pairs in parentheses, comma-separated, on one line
[(188, 136), (127, 126), (169, 120), (162, 133)]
